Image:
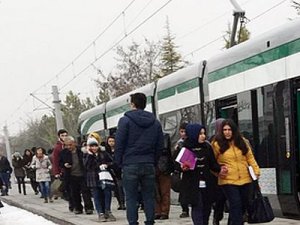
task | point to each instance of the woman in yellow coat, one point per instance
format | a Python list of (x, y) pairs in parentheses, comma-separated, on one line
[(234, 151)]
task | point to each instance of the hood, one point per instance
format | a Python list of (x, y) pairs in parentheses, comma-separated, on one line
[(218, 126), (141, 118), (192, 132)]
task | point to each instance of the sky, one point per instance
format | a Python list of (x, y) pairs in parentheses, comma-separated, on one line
[(12, 215), (54, 42)]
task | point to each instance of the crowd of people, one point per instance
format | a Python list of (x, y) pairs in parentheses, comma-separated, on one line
[(136, 166)]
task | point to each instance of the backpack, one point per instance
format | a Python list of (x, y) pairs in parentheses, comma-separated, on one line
[(165, 162)]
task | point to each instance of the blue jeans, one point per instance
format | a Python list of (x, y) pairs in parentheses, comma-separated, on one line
[(238, 197), (45, 188), (4, 176), (102, 199), (141, 176)]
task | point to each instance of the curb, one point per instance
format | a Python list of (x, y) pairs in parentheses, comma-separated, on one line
[(37, 212)]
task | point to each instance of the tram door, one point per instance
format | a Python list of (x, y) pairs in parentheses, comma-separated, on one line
[(287, 120)]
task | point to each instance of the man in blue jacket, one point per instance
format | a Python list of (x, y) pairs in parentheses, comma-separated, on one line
[(139, 143)]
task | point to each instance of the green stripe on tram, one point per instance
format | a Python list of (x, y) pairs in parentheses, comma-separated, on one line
[(90, 122), (123, 108), (180, 88), (256, 60)]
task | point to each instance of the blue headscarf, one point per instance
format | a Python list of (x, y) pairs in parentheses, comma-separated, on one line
[(193, 131)]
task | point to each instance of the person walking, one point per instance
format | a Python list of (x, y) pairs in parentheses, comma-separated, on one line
[(5, 171), (139, 143), (19, 169), (197, 184), (71, 160), (42, 165), (234, 151), (118, 188), (95, 161), (164, 169), (30, 172), (177, 148)]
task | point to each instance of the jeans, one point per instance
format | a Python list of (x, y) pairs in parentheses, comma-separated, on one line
[(4, 176), (141, 176), (45, 188), (102, 199), (238, 197)]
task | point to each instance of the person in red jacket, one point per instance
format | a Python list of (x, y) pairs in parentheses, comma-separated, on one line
[(56, 170)]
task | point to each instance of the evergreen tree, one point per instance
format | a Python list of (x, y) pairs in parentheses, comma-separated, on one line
[(171, 60), (72, 107), (243, 34)]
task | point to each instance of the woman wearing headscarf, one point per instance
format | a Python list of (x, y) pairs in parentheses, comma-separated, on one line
[(197, 185), (234, 151)]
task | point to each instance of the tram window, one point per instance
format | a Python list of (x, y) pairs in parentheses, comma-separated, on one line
[(273, 109), (245, 115), (266, 149)]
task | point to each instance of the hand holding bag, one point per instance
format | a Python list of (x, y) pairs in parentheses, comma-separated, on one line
[(260, 210), (105, 179)]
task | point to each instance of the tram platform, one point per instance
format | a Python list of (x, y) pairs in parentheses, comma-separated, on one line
[(58, 211)]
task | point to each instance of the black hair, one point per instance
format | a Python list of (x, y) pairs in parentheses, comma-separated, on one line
[(183, 125), (236, 137), (61, 131), (139, 100)]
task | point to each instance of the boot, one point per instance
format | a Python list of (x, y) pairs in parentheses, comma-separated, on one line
[(46, 200)]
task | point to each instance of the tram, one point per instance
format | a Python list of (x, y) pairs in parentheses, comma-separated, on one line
[(257, 84)]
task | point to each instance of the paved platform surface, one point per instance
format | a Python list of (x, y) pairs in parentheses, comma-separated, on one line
[(58, 212)]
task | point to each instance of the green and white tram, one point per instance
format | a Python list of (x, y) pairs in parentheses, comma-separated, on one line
[(257, 84)]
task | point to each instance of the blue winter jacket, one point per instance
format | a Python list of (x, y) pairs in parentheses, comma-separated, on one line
[(139, 138)]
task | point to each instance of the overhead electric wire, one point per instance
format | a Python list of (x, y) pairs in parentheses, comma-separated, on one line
[(114, 45), (91, 44), (254, 18)]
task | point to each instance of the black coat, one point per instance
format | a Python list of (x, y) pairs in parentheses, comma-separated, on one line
[(206, 162), (65, 156), (5, 165), (92, 163)]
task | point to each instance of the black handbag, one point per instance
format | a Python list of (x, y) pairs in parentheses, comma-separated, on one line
[(176, 181), (260, 210)]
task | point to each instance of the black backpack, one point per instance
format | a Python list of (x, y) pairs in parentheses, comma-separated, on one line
[(165, 162)]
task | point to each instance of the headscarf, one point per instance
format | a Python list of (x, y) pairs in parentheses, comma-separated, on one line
[(193, 131)]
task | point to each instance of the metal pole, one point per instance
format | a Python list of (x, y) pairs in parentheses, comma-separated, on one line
[(7, 144), (57, 108)]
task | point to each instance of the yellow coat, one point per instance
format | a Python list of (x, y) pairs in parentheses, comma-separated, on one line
[(237, 164)]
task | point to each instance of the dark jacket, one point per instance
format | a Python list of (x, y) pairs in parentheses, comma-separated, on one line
[(18, 165), (65, 156), (5, 165), (30, 172), (92, 163), (139, 138), (190, 179)]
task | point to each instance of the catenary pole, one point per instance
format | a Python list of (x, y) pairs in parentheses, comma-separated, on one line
[(57, 108)]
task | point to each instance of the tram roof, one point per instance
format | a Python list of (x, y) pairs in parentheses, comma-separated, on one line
[(282, 34)]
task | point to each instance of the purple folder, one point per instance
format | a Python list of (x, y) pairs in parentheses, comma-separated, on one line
[(186, 156)]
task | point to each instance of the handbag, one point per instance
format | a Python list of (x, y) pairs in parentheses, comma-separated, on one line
[(56, 187), (105, 179), (176, 181), (260, 210)]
